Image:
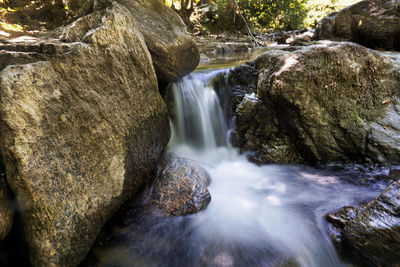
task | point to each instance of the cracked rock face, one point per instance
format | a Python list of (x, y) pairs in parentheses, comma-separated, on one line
[(324, 102), (82, 127)]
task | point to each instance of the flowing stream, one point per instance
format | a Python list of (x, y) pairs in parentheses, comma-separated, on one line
[(271, 215)]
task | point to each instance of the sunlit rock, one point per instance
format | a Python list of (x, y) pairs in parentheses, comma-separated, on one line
[(320, 103), (172, 48), (372, 23), (82, 126)]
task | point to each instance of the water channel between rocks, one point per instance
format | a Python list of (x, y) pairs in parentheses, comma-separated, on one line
[(271, 215)]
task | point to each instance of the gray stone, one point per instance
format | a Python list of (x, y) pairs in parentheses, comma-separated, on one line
[(384, 144), (370, 235)]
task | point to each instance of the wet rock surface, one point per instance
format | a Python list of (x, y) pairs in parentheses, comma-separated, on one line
[(82, 127), (232, 87), (395, 175), (323, 102), (372, 23), (242, 80), (180, 187), (370, 235)]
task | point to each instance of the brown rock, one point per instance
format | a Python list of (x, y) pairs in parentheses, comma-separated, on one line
[(285, 38), (322, 103), (372, 23), (81, 130), (173, 50), (180, 187)]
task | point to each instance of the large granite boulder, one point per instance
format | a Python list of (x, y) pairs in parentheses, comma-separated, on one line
[(173, 50), (82, 127), (370, 235), (372, 23), (325, 102)]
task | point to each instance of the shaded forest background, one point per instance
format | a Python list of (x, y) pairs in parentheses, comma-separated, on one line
[(216, 16), (201, 16)]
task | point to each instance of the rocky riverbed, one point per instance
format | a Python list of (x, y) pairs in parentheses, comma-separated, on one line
[(84, 127)]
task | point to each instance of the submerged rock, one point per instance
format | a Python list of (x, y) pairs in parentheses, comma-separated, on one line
[(180, 187), (81, 130), (370, 235), (320, 103), (173, 50), (372, 23)]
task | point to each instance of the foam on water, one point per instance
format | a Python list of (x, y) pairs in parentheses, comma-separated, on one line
[(277, 209), (258, 216)]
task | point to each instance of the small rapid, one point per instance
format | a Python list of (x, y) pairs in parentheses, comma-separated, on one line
[(268, 211), (270, 215), (199, 121)]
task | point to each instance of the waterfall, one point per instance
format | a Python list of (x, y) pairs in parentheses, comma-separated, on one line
[(271, 215), (199, 120), (248, 208)]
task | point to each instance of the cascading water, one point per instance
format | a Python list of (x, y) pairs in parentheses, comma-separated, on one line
[(253, 208), (258, 216), (200, 120)]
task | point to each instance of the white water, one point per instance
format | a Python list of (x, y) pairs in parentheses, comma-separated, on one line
[(258, 216), (254, 205)]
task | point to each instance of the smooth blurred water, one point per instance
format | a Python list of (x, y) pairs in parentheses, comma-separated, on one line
[(200, 120), (268, 215)]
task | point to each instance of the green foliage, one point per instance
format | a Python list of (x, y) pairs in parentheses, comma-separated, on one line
[(264, 15), (225, 15), (275, 14), (320, 8), (36, 15)]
